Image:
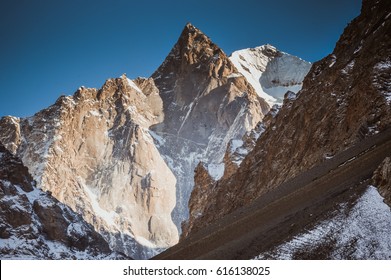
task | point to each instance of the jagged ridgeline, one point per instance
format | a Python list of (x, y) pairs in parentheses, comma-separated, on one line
[(123, 156), (345, 98), (344, 101)]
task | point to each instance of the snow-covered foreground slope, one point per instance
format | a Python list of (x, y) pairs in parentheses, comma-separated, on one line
[(362, 231), (271, 72)]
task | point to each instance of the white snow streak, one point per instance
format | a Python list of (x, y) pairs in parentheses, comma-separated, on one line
[(133, 85), (108, 217), (216, 170)]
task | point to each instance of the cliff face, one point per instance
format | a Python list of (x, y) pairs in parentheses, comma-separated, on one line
[(345, 97), (206, 103), (93, 152), (35, 225)]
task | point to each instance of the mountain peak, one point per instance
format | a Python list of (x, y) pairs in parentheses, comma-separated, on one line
[(194, 52), (271, 72), (189, 26), (191, 34)]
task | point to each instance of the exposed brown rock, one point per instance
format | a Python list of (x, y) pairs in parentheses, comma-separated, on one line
[(15, 172), (382, 180), (206, 103), (32, 221), (93, 151), (16, 214), (199, 195), (52, 218), (345, 97), (198, 81), (10, 135)]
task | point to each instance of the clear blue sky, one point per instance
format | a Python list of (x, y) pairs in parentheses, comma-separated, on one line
[(51, 47)]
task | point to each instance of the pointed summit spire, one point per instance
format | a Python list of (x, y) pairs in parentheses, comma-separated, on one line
[(189, 26), (193, 52), (191, 33)]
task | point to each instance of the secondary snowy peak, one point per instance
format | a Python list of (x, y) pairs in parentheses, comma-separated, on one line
[(34, 225), (271, 72)]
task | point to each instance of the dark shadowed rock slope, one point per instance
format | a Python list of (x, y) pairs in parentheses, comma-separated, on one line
[(345, 97), (35, 225)]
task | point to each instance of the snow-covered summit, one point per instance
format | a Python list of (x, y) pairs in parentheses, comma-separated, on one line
[(271, 72)]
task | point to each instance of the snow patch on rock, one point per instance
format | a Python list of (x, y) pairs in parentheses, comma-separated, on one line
[(216, 170)]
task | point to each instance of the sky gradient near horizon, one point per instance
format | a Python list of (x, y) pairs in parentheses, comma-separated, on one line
[(50, 48)]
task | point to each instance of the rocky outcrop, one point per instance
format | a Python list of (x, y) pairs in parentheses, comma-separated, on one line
[(93, 152), (33, 224), (203, 185), (10, 134), (206, 103), (345, 97), (382, 180)]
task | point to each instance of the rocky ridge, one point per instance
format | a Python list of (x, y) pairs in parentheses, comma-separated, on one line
[(329, 114), (123, 156), (93, 152)]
